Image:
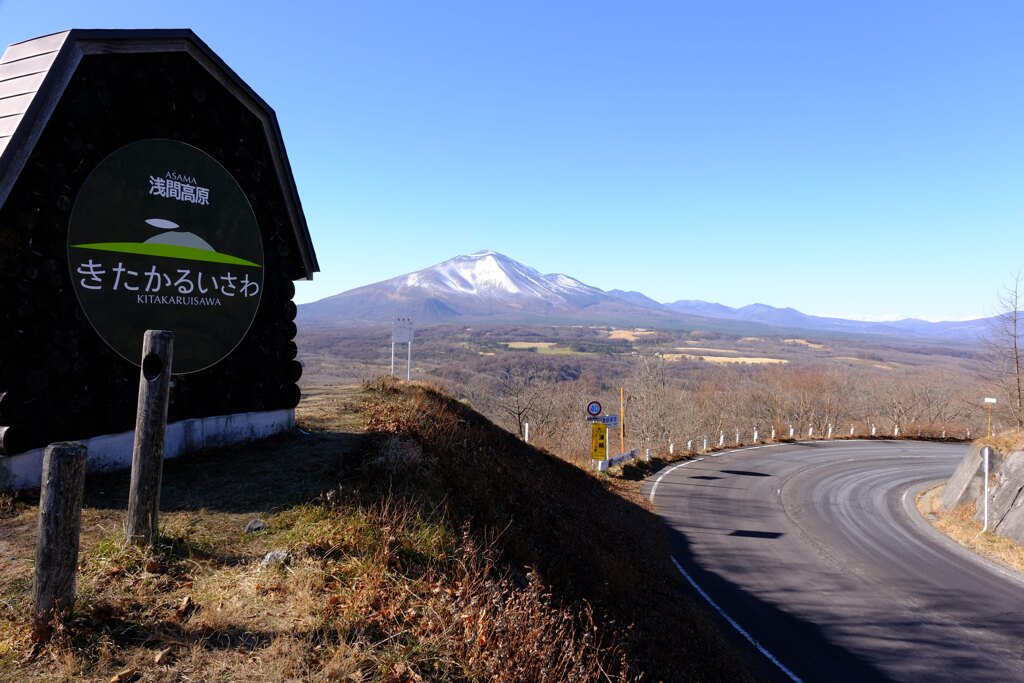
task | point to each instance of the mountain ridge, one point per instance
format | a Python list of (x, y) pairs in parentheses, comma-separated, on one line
[(492, 287)]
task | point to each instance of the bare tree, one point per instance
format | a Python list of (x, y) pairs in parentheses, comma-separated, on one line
[(655, 404), (1003, 346), (519, 392)]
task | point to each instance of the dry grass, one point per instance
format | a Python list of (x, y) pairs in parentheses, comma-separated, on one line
[(434, 548), (630, 335), (376, 588), (593, 540), (1006, 442), (370, 593), (543, 348), (960, 526)]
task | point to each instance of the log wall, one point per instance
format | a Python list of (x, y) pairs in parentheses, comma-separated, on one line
[(58, 379)]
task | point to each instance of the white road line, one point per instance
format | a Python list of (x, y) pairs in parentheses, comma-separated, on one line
[(739, 450), (670, 470), (732, 622)]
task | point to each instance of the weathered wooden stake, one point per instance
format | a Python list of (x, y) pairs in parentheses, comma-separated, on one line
[(150, 430), (60, 517)]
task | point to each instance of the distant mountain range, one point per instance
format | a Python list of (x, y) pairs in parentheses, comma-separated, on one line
[(491, 287)]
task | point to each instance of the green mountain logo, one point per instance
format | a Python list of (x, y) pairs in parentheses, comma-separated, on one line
[(175, 244)]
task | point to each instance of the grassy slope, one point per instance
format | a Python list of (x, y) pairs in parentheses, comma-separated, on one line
[(434, 546)]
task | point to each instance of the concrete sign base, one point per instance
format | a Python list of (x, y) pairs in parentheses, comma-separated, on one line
[(114, 452)]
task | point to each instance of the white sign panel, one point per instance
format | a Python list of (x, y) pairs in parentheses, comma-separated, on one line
[(401, 331), (610, 420), (602, 465)]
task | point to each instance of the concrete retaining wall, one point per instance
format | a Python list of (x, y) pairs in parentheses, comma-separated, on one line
[(966, 484), (1005, 511), (114, 451), (1006, 491)]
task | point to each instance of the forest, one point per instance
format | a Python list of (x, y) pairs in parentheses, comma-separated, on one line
[(683, 389)]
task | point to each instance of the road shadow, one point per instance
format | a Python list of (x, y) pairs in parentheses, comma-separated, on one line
[(796, 644), (745, 473), (743, 533)]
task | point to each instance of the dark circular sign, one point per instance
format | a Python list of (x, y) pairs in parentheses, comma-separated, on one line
[(593, 409), (162, 238)]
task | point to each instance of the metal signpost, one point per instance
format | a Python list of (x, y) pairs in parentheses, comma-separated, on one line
[(401, 333), (599, 425), (985, 453)]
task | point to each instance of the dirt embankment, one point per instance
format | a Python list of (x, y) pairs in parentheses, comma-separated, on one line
[(418, 542)]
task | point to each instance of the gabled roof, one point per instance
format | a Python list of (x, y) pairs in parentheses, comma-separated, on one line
[(35, 73)]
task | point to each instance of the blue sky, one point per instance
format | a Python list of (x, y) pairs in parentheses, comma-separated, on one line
[(861, 159)]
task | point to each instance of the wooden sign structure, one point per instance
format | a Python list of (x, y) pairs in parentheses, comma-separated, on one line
[(128, 163)]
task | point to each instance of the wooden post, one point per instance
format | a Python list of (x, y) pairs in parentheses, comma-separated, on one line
[(60, 517), (150, 429), (622, 419)]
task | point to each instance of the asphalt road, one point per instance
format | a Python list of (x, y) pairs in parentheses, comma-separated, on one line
[(817, 552)]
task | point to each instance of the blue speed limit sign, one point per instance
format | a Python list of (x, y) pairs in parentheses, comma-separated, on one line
[(593, 409)]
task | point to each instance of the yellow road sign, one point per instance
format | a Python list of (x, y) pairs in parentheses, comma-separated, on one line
[(598, 441)]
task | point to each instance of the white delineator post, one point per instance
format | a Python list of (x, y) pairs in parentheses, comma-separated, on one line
[(985, 453)]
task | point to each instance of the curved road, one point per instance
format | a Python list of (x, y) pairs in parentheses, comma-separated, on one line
[(816, 552)]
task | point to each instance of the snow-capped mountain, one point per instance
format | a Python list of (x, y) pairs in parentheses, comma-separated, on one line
[(490, 275), (485, 285), (491, 287)]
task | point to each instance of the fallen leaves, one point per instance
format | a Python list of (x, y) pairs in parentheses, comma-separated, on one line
[(185, 607)]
